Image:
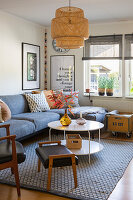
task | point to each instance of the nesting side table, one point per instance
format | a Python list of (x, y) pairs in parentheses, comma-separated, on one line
[(88, 147)]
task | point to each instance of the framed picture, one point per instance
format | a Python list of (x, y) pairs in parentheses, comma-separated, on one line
[(62, 72), (30, 66)]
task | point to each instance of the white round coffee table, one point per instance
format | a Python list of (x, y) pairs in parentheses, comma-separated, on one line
[(88, 147)]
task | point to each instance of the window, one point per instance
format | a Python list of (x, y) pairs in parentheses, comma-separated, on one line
[(102, 64), (129, 65)]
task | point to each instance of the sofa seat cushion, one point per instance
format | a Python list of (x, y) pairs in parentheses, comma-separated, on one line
[(88, 112), (61, 112), (20, 128), (40, 119), (6, 152)]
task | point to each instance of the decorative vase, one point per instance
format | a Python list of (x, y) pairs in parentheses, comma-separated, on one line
[(81, 121), (65, 120)]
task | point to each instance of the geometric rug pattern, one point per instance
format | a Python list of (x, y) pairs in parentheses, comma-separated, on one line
[(95, 180)]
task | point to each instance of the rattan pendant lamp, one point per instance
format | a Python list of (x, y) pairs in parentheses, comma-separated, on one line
[(69, 27)]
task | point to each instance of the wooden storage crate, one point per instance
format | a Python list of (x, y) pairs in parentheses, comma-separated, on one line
[(73, 141), (120, 123)]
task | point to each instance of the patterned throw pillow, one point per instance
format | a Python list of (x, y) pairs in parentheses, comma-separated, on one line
[(74, 98), (47, 93), (37, 102), (5, 113)]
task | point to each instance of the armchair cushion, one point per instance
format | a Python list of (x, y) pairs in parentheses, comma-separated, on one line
[(6, 152), (45, 151)]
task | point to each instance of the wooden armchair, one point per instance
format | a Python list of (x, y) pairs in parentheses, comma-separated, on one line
[(11, 153)]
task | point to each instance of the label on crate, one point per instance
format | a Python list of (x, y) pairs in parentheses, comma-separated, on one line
[(117, 124)]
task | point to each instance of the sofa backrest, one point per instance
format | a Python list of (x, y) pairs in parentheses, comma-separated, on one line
[(17, 103)]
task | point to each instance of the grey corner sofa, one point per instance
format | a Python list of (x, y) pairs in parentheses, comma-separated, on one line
[(24, 124)]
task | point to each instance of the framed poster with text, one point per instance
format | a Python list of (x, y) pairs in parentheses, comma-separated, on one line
[(62, 72)]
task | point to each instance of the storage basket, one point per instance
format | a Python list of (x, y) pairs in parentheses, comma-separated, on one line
[(73, 141)]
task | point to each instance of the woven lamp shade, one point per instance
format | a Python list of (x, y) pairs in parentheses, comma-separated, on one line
[(69, 28)]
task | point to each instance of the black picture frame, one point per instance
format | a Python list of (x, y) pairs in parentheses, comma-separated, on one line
[(55, 65), (30, 66)]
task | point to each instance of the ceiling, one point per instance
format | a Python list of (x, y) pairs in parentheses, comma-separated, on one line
[(42, 11)]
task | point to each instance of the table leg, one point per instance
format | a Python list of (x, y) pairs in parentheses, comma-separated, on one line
[(99, 136), (49, 134), (89, 146), (64, 135)]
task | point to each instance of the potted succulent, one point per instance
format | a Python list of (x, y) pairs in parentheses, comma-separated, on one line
[(101, 85), (110, 86)]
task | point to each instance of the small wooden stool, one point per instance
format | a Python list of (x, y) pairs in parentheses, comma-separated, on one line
[(56, 156)]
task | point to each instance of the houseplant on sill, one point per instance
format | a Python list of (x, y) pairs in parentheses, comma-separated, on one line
[(101, 85), (110, 86), (64, 101)]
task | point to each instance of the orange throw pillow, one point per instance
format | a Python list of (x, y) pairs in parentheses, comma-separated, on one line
[(46, 93), (5, 111)]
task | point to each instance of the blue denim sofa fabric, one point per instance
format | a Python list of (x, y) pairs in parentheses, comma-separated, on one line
[(39, 119), (20, 128), (16, 103)]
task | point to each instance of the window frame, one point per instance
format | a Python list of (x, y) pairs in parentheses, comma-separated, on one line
[(128, 41), (86, 58)]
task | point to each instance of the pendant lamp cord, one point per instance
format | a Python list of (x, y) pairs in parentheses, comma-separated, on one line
[(69, 3)]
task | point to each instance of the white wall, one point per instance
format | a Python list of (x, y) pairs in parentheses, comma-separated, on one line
[(121, 104), (14, 31)]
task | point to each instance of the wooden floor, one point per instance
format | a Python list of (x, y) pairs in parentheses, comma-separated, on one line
[(122, 191)]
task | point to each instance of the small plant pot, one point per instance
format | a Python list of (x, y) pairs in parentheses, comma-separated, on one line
[(109, 92), (101, 91)]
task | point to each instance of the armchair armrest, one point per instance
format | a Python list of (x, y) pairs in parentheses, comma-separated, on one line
[(9, 137), (7, 126), (51, 142)]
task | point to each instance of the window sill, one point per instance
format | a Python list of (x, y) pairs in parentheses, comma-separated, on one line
[(129, 97), (98, 96)]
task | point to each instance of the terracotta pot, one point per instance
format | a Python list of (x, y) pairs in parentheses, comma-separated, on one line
[(109, 92), (101, 91), (87, 90)]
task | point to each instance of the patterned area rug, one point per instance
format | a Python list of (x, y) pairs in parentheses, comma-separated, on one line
[(95, 181)]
